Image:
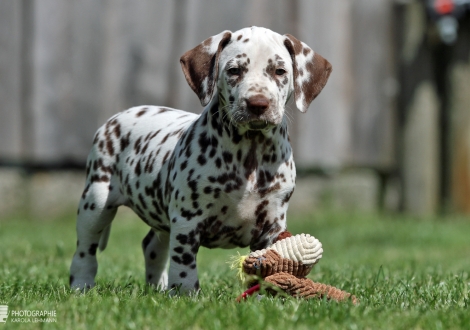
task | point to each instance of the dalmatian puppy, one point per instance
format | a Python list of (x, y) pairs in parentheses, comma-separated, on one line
[(220, 179)]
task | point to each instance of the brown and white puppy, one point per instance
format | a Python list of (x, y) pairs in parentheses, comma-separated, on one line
[(220, 179)]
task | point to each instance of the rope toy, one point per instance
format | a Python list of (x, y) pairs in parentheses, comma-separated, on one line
[(284, 267)]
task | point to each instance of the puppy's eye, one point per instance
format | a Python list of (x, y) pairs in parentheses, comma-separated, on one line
[(234, 71), (280, 72)]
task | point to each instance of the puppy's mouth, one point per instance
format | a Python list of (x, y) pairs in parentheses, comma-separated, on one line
[(259, 124), (247, 121)]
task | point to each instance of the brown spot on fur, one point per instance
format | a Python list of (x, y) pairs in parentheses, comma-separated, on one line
[(97, 178), (125, 141), (117, 131), (92, 249), (141, 112), (166, 156), (165, 138), (287, 197), (251, 162), (147, 239)]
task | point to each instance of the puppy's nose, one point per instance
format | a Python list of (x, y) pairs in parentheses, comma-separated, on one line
[(257, 104)]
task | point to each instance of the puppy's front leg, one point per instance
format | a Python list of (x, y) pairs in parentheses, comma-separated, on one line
[(184, 245)]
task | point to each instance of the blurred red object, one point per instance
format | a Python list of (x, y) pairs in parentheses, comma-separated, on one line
[(444, 7)]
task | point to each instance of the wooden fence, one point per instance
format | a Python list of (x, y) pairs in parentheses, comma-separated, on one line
[(66, 66)]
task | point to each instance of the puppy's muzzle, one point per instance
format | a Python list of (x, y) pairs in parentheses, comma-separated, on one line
[(257, 107)]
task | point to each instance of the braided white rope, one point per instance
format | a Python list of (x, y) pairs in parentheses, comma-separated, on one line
[(301, 248)]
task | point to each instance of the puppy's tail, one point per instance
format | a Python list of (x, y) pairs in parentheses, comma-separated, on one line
[(104, 238)]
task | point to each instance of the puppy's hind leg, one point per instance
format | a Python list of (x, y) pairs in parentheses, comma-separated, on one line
[(155, 246), (93, 220)]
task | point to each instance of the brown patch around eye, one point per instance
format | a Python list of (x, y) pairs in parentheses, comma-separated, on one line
[(246, 40), (233, 80), (239, 37), (271, 72), (244, 67), (271, 68)]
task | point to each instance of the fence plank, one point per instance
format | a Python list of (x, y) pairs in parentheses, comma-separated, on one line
[(52, 79), (321, 135), (80, 118), (460, 122), (372, 117), (421, 151), (419, 109), (10, 81)]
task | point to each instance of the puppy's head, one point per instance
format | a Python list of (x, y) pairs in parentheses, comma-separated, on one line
[(255, 71)]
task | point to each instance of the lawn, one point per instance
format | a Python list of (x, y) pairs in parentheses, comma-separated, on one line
[(409, 273)]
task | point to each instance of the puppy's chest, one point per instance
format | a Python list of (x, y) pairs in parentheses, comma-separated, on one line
[(231, 216)]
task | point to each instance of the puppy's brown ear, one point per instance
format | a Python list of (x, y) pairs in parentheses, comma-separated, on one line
[(200, 65), (311, 71)]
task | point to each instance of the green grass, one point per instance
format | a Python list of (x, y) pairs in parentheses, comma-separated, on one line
[(408, 274)]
